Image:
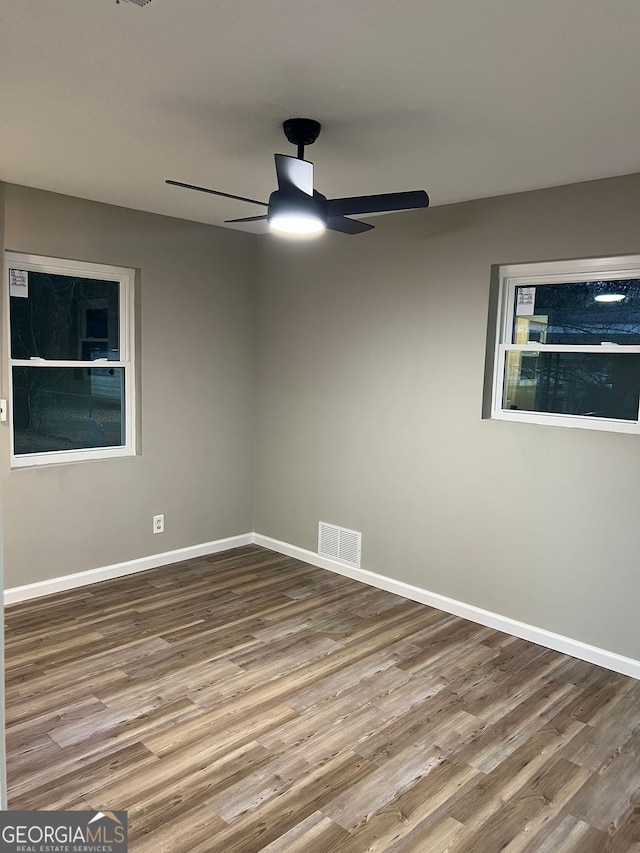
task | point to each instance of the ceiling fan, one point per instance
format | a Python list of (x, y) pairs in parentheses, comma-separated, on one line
[(297, 208)]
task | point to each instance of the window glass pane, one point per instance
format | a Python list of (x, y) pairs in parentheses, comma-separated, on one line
[(67, 408), (66, 318), (587, 312), (598, 385)]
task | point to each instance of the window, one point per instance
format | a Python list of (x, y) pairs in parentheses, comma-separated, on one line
[(70, 342), (568, 344)]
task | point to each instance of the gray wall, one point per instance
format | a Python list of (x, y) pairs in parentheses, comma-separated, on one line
[(370, 363), (195, 287), (371, 355)]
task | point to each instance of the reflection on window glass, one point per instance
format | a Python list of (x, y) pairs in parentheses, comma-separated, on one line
[(67, 408), (65, 318), (588, 312), (597, 385)]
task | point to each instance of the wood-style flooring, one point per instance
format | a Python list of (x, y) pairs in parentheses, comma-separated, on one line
[(250, 702)]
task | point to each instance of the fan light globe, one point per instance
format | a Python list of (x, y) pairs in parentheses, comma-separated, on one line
[(296, 223)]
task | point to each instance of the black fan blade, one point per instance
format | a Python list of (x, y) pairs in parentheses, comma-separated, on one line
[(247, 219), (386, 202), (216, 192), (295, 173), (347, 226)]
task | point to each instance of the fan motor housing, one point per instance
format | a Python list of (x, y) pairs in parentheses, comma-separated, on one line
[(290, 202)]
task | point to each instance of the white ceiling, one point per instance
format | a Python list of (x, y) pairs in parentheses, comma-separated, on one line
[(463, 98)]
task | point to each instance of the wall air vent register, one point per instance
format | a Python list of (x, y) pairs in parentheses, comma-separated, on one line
[(340, 544)]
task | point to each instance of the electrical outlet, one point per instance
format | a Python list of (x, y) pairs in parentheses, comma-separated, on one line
[(158, 523)]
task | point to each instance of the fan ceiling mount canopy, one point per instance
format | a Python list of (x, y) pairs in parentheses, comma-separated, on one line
[(297, 208)]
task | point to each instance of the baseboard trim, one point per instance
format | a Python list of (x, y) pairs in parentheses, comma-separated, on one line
[(117, 570), (548, 639), (557, 642)]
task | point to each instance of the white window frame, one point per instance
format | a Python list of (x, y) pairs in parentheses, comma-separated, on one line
[(125, 278), (538, 275)]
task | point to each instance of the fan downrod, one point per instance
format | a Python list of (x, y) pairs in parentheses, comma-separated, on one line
[(301, 132)]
